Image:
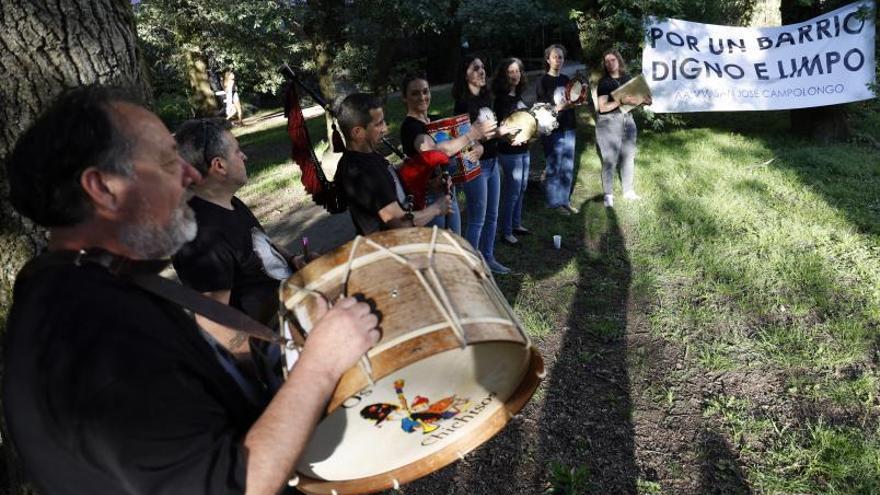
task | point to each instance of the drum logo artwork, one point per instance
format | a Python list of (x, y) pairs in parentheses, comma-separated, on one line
[(437, 419)]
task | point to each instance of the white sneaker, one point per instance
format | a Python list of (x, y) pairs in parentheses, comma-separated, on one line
[(510, 239), (631, 196), (609, 201)]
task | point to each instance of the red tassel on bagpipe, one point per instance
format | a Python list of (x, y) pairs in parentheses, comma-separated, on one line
[(315, 182), (301, 145)]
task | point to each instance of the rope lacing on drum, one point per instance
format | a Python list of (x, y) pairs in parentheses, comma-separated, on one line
[(364, 363), (434, 287), (494, 291)]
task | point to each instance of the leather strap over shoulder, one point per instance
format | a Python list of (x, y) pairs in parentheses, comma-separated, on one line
[(145, 275)]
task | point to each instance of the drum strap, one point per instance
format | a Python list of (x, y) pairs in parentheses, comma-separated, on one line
[(145, 275)]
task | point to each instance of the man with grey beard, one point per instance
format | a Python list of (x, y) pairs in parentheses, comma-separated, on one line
[(111, 389)]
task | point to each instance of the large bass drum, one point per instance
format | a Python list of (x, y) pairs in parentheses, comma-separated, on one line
[(452, 367)]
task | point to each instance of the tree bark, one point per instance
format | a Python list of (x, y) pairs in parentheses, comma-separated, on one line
[(202, 96), (821, 124), (386, 54), (45, 47), (324, 28)]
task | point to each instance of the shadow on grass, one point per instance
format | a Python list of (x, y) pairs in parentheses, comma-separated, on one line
[(587, 413), (720, 473)]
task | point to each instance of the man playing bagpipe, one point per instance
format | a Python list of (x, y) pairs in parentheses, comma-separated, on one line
[(372, 188)]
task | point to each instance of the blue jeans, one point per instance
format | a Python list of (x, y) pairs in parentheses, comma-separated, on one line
[(559, 155), (453, 217), (482, 196), (516, 179)]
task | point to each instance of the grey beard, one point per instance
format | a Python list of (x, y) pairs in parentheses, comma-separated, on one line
[(150, 241)]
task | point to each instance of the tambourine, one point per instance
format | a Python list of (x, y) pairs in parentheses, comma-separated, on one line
[(540, 119), (577, 90), (486, 115)]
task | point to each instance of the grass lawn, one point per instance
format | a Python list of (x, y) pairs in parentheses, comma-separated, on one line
[(730, 317)]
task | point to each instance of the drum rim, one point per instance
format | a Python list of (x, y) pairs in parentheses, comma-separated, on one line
[(535, 372)]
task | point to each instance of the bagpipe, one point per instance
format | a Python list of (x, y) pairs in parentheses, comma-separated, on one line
[(415, 172), (324, 192)]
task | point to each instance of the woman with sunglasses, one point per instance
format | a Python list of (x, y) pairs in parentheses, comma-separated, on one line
[(484, 191)]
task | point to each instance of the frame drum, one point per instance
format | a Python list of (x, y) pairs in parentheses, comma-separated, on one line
[(526, 124), (452, 367)]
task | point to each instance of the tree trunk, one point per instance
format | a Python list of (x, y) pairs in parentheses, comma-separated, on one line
[(202, 96), (46, 47), (324, 28), (821, 124), (386, 53)]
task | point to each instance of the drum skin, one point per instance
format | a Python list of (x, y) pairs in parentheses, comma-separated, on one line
[(452, 366), (525, 122)]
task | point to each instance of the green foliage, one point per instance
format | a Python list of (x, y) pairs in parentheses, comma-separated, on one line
[(172, 108), (226, 33), (566, 480), (503, 27), (644, 487), (619, 24)]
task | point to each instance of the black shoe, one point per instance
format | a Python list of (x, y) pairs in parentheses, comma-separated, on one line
[(522, 231)]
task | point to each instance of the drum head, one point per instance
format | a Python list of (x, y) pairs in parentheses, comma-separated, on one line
[(545, 116), (525, 122), (575, 91), (417, 421)]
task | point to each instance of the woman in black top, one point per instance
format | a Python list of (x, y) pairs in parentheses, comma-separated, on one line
[(483, 192), (616, 131), (414, 137), (508, 86), (559, 145)]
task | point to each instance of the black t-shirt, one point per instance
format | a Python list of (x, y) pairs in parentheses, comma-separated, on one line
[(608, 84), (108, 389), (368, 184), (471, 105), (546, 91), (504, 106), (410, 129), (232, 252)]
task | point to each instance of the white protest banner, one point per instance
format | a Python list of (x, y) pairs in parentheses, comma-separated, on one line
[(693, 67)]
